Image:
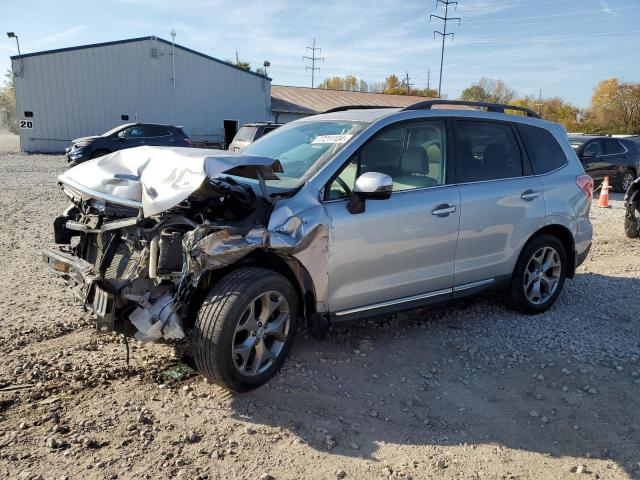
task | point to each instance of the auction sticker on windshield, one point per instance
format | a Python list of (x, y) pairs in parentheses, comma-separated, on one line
[(332, 139)]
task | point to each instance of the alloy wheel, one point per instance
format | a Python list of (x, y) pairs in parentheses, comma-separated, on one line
[(542, 275), (627, 180), (261, 333)]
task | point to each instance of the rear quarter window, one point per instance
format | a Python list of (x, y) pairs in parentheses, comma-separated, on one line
[(543, 150)]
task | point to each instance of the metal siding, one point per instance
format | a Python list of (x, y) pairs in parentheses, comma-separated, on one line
[(84, 92)]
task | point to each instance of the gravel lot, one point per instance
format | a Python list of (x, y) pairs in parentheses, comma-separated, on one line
[(465, 391)]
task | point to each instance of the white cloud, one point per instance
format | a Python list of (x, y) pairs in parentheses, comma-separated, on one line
[(606, 8)]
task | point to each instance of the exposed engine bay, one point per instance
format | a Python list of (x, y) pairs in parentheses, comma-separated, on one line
[(135, 266)]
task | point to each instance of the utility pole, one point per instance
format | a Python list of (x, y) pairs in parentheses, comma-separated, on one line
[(444, 33), (429, 79), (313, 59), (173, 54), (406, 83)]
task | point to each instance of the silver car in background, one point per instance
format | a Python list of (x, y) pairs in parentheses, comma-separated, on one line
[(349, 214)]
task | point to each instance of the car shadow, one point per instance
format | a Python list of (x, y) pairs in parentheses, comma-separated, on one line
[(473, 372)]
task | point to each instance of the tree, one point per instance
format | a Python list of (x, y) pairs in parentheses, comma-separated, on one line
[(240, 64), (615, 106), (8, 117), (489, 90), (392, 86), (349, 83), (553, 109)]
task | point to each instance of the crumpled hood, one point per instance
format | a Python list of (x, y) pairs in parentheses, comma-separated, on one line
[(159, 178)]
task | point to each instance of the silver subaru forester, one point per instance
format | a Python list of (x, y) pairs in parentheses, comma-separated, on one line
[(350, 214)]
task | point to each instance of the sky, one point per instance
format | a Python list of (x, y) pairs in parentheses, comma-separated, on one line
[(564, 47)]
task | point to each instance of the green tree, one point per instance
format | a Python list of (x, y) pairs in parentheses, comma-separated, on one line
[(8, 117), (240, 64), (489, 90)]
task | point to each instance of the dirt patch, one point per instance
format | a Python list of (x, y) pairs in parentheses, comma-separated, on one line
[(469, 390)]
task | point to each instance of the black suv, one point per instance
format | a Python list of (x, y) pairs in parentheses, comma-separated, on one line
[(617, 158), (126, 136), (249, 133)]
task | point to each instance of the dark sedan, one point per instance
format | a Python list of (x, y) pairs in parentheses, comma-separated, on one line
[(617, 158), (126, 136)]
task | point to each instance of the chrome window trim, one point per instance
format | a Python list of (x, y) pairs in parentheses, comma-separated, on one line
[(393, 302)]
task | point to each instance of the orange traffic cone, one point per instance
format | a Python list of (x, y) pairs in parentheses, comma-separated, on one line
[(603, 199)]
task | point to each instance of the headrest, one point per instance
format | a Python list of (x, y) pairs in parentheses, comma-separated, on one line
[(414, 160)]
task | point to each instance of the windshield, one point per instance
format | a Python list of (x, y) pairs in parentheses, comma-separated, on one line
[(245, 134), (108, 133), (303, 147), (576, 143)]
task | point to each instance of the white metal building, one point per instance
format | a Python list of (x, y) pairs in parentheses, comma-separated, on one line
[(86, 90)]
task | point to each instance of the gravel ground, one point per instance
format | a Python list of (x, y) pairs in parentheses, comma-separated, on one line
[(465, 391)]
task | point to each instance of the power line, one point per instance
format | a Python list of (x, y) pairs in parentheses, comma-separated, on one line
[(444, 33), (313, 59)]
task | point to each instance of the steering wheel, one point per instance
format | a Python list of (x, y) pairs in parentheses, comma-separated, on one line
[(344, 185)]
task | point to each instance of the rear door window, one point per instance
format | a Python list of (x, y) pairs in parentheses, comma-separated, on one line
[(155, 131), (486, 151), (543, 150), (613, 147)]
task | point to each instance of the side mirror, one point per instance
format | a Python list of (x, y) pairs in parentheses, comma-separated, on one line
[(121, 135), (587, 155), (369, 185)]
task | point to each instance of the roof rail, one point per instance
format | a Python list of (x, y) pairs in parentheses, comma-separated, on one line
[(356, 107), (491, 107)]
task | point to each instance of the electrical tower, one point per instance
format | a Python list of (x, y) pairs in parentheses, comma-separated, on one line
[(444, 33), (405, 82), (313, 59)]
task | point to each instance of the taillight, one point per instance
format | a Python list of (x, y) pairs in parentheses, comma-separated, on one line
[(585, 182), (189, 142)]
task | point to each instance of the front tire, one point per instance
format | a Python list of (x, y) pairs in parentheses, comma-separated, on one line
[(99, 153), (539, 275), (245, 328)]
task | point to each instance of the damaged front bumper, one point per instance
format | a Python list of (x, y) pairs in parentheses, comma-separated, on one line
[(77, 273)]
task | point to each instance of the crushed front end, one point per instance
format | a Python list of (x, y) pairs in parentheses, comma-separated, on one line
[(133, 269)]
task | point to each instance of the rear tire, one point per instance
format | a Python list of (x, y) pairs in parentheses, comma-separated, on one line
[(624, 181), (245, 328), (539, 275)]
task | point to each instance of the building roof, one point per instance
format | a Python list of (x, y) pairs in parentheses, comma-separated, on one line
[(310, 101), (131, 40)]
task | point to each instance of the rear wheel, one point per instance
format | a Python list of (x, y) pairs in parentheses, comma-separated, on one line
[(539, 275), (625, 181), (245, 328)]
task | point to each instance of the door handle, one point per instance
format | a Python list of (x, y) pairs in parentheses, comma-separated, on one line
[(443, 210), (529, 195)]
